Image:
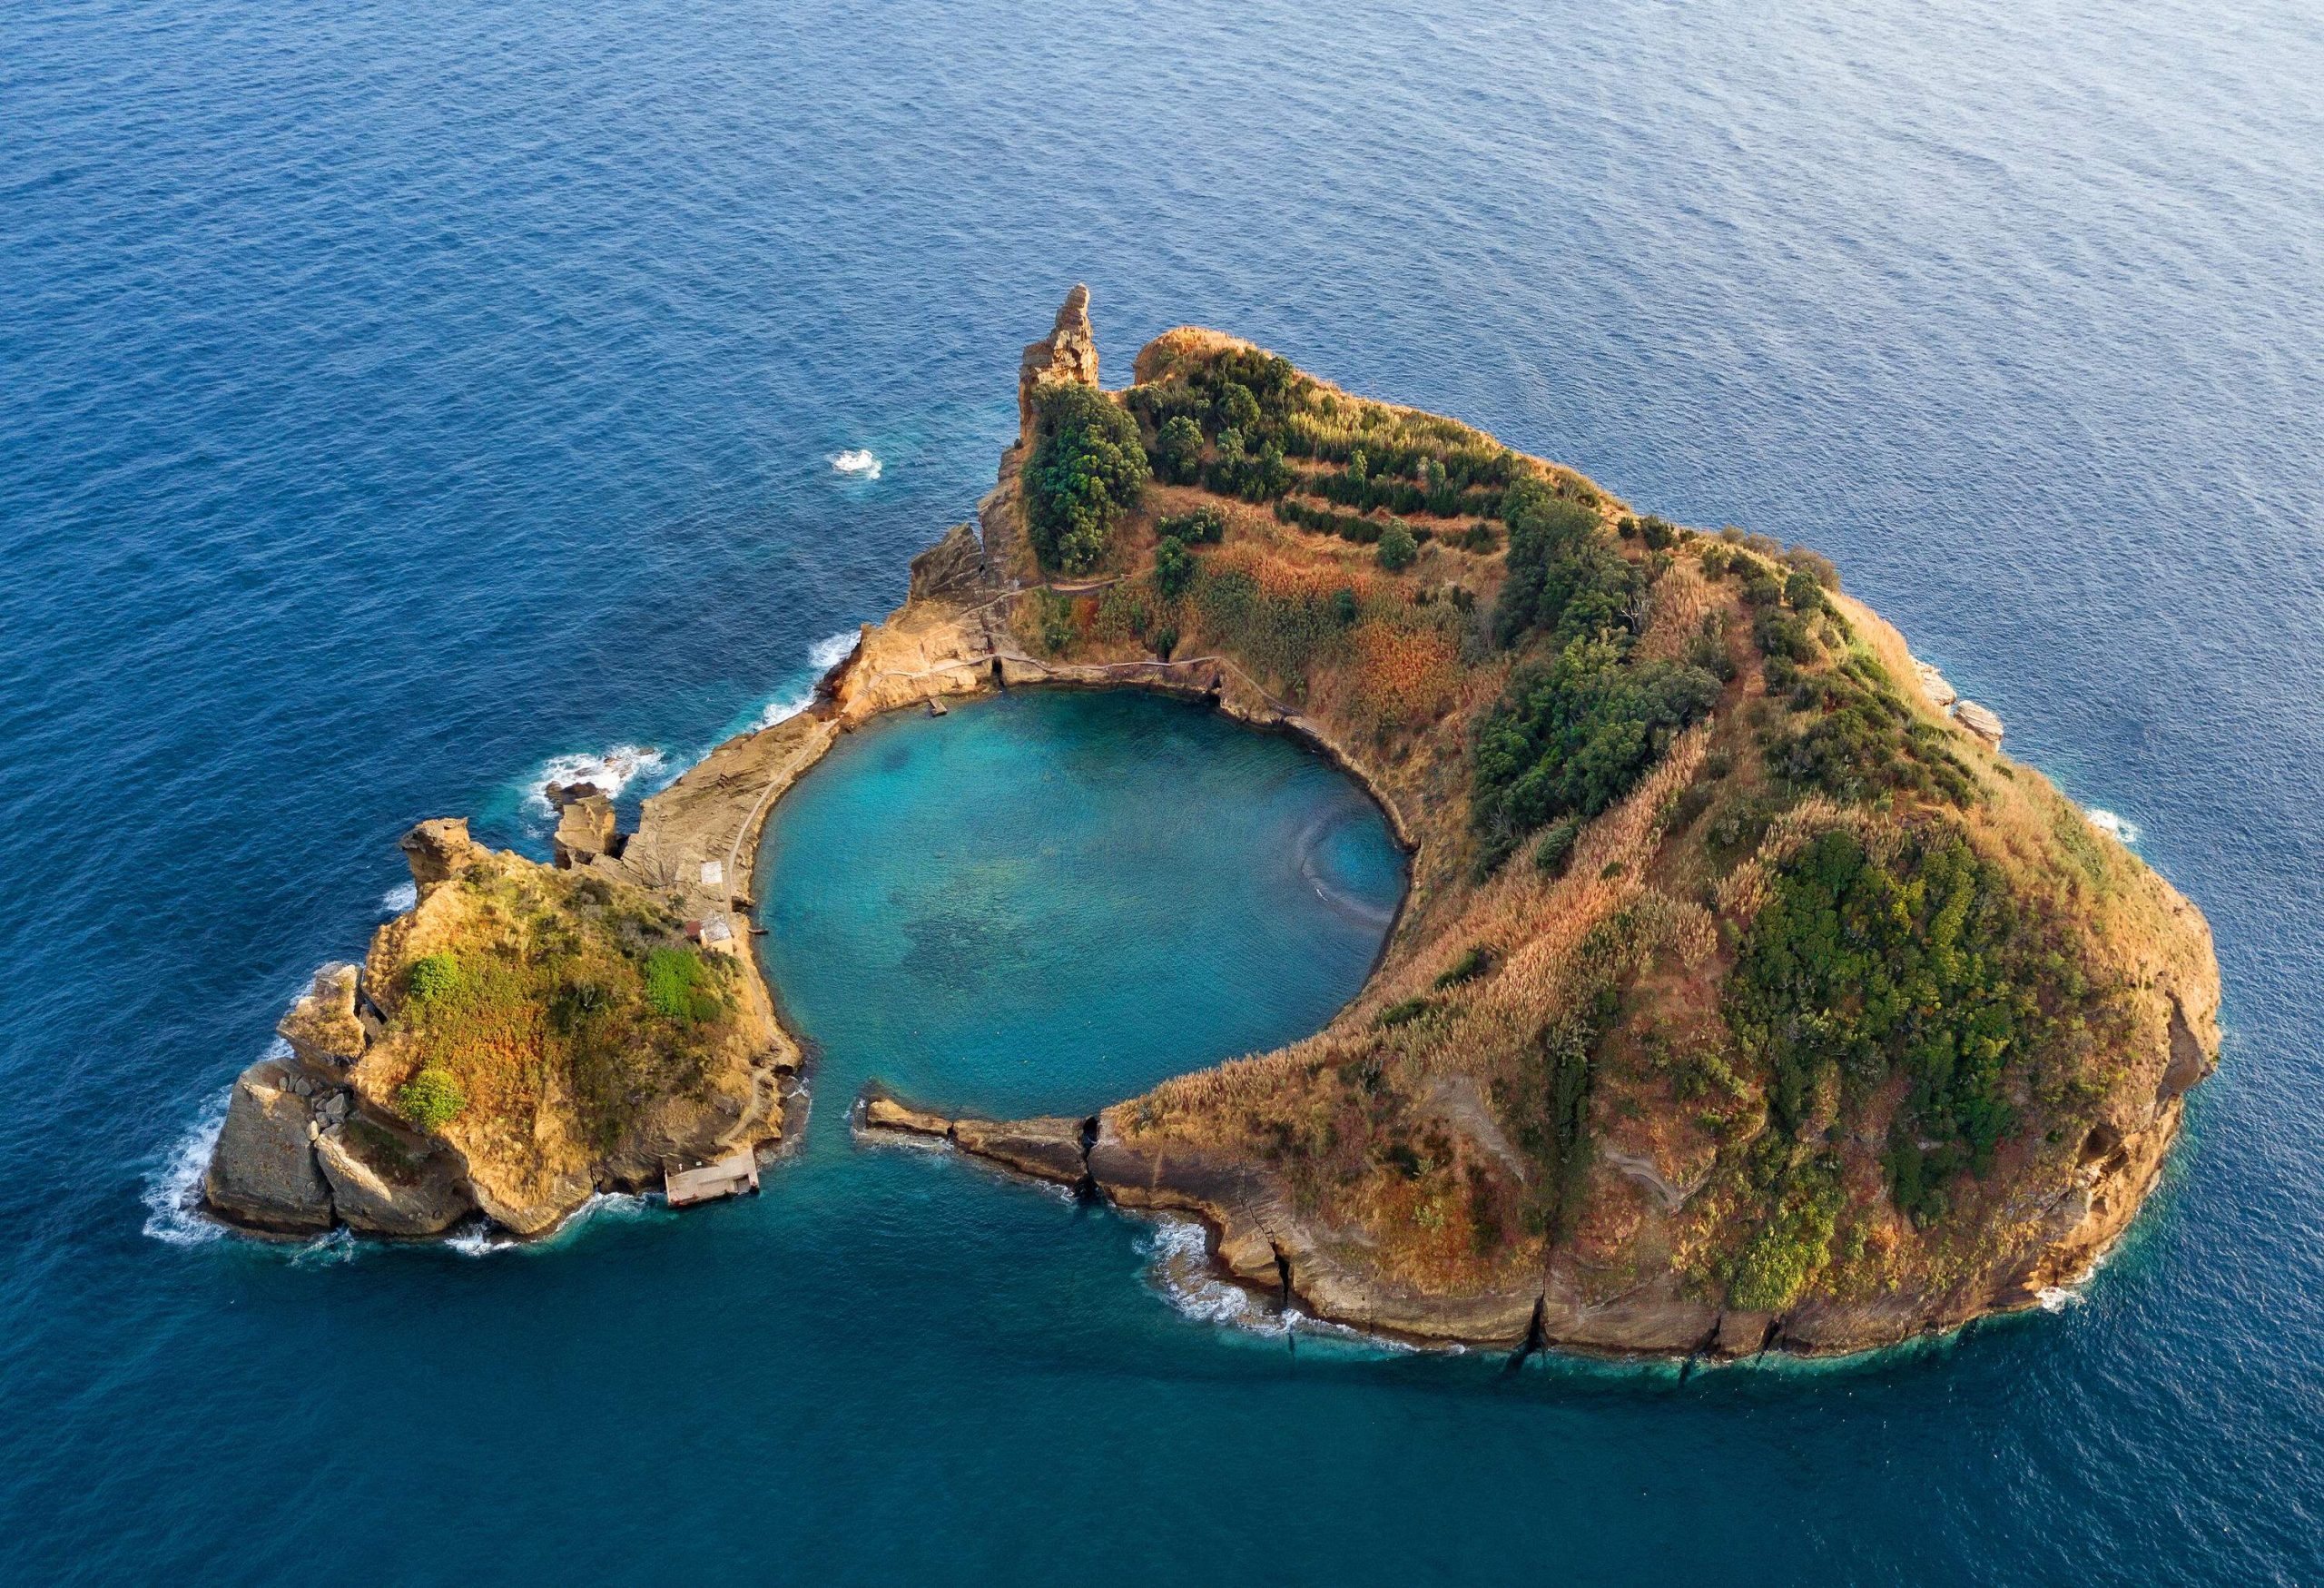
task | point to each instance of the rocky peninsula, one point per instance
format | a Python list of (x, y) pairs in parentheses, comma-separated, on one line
[(1746, 995)]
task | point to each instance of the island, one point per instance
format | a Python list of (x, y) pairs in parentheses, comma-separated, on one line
[(1746, 995)]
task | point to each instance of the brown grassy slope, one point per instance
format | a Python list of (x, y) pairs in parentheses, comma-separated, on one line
[(1419, 1132)]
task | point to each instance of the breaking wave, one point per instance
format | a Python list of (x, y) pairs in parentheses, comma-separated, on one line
[(822, 656), (861, 462), (480, 1239), (2112, 825), (1181, 1268), (172, 1194), (611, 771), (400, 898)]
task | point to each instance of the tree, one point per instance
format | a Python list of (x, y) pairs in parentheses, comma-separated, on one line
[(1177, 451), (1397, 549), (1174, 568), (1087, 469)]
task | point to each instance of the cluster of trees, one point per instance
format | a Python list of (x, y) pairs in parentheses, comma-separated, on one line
[(1565, 577), (1569, 739), (1088, 469), (1367, 484), (1859, 968)]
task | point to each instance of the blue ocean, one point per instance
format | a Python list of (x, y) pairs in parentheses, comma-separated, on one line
[(402, 404)]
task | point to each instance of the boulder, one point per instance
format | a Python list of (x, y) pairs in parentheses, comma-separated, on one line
[(1979, 721), (585, 830), (1940, 694), (1741, 1334), (387, 1182), (438, 849), (952, 568), (262, 1173), (322, 1026), (1068, 353)]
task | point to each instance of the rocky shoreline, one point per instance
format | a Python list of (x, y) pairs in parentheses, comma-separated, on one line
[(304, 1149)]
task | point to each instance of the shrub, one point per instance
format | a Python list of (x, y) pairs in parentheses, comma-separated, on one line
[(1397, 551), (1206, 526), (1401, 1014), (1053, 616), (1174, 568), (1177, 451), (432, 977), (1088, 469), (1857, 968), (676, 985), (1556, 847), (431, 1100), (1473, 962), (1164, 640)]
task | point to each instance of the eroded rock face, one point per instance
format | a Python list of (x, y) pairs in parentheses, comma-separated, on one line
[(951, 569), (438, 849), (262, 1173), (322, 1026), (584, 829), (1068, 353), (387, 1182)]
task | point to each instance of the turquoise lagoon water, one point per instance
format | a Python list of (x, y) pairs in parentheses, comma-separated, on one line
[(1046, 901), (400, 401)]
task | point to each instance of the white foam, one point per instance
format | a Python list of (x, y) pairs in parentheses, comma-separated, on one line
[(861, 462), (172, 1195), (403, 896), (611, 771), (480, 1239), (2112, 825), (824, 655), (1181, 1269)]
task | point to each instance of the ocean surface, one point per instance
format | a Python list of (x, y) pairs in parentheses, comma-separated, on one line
[(402, 403)]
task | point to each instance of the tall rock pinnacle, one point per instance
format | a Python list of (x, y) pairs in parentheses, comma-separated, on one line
[(1069, 353)]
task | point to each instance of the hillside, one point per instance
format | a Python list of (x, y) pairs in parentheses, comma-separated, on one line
[(1744, 997)]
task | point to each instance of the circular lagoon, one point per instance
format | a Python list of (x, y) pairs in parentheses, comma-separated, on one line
[(1044, 902)]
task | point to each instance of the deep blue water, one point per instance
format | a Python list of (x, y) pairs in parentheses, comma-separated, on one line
[(394, 399)]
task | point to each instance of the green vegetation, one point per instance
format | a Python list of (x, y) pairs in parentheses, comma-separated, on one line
[(1573, 737), (1174, 568), (1397, 551), (1177, 451), (1851, 735), (432, 978), (1088, 469), (431, 1100), (1858, 968), (1475, 961), (1204, 526), (1565, 576), (1791, 1248), (1053, 619), (677, 986), (1556, 847)]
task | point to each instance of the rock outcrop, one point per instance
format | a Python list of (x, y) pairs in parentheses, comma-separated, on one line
[(1067, 354), (953, 569), (584, 826), (262, 1173), (323, 1029)]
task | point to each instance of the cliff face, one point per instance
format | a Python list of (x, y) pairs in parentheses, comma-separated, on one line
[(1617, 1084)]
